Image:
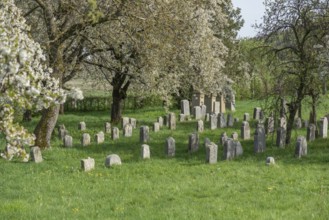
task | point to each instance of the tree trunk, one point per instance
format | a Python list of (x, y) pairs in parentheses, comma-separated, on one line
[(46, 126), (117, 104), (293, 108)]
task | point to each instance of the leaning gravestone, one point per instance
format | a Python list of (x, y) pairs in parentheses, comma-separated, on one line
[(87, 164), (259, 139), (245, 130), (211, 152), (170, 147), (85, 140), (124, 121), (193, 142), (115, 133), (323, 127), (160, 121), (213, 121), (112, 159), (144, 134), (107, 127), (197, 112), (311, 132), (185, 107), (281, 137), (133, 122), (200, 126), (156, 126), (230, 120), (128, 130), (221, 120), (145, 151), (257, 112), (35, 155), (172, 121), (68, 141), (99, 137), (82, 126), (301, 147)]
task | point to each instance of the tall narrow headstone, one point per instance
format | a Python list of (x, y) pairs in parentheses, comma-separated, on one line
[(193, 142), (223, 138), (145, 151), (133, 122), (221, 120), (203, 111), (213, 121), (99, 137), (281, 137), (200, 126), (229, 149), (211, 153), (259, 139), (216, 107), (128, 130), (124, 121), (209, 101), (301, 147), (230, 120), (82, 126), (197, 112), (172, 121), (107, 127), (156, 127), (323, 133), (298, 123), (85, 140), (245, 130), (170, 147), (221, 99), (144, 134), (207, 117), (311, 132), (115, 133), (185, 107), (88, 164), (160, 121), (257, 113), (36, 155)]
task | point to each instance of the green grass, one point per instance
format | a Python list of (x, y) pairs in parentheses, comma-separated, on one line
[(184, 187)]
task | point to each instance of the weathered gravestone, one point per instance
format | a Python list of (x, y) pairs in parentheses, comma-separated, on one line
[(223, 138), (145, 151), (211, 152), (232, 149), (87, 164), (156, 126), (311, 132), (283, 122), (216, 107), (124, 121), (82, 126), (269, 125), (298, 123), (170, 147), (144, 134), (230, 120), (185, 107), (160, 121), (193, 142), (270, 161), (203, 111), (115, 133), (68, 141), (99, 137), (36, 155), (112, 159), (259, 139), (245, 130), (182, 118), (128, 130), (200, 126), (221, 120), (257, 113), (133, 122), (213, 121), (209, 101), (61, 133), (197, 112), (85, 140), (235, 136), (301, 147), (323, 133), (207, 117), (107, 127), (172, 121), (281, 137), (246, 117), (206, 141)]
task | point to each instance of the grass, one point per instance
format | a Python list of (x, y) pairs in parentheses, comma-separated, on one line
[(184, 187)]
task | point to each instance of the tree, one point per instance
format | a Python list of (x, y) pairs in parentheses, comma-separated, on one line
[(290, 29), (24, 79)]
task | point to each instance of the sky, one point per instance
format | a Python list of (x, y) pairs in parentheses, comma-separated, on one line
[(252, 12)]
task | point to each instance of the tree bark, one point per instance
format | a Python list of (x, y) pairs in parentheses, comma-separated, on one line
[(45, 127), (117, 104)]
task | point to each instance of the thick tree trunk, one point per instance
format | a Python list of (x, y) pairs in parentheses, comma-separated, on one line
[(117, 104), (291, 119), (46, 126)]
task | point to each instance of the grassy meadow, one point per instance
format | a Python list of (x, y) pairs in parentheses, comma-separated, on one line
[(183, 187)]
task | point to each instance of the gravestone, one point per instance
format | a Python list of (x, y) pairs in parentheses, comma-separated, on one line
[(200, 126), (172, 121), (221, 100), (203, 111), (298, 123), (170, 147), (301, 147), (213, 121), (221, 120), (87, 164), (99, 137), (270, 161), (245, 130), (112, 160), (68, 141), (281, 137), (216, 107), (238, 149), (156, 126), (206, 141), (230, 106), (235, 136), (207, 117), (197, 112), (211, 152), (311, 132), (259, 139), (246, 117), (283, 122), (269, 125), (223, 138), (182, 118), (61, 133), (36, 155), (128, 130), (193, 142), (115, 133), (230, 120), (145, 151), (229, 149), (257, 113), (160, 121), (82, 126), (144, 134), (107, 127), (85, 140), (133, 122), (209, 101), (124, 121), (323, 133), (185, 107)]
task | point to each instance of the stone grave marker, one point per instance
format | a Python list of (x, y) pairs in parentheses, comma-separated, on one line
[(124, 121), (311, 132), (115, 133), (323, 133), (207, 117), (82, 126), (269, 125), (160, 121), (230, 120), (156, 126), (36, 155), (193, 142), (203, 111), (172, 121), (62, 133), (270, 161), (223, 138), (256, 115), (211, 152), (128, 130), (301, 147), (144, 134), (185, 107), (68, 141), (133, 122), (170, 147), (246, 117), (85, 140), (245, 130), (259, 139), (197, 112), (99, 137), (200, 126), (213, 121), (235, 136), (107, 127), (221, 120), (88, 164), (298, 123), (112, 160), (281, 137), (145, 151)]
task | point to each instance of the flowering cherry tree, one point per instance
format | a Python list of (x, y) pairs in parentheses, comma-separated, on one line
[(24, 79)]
